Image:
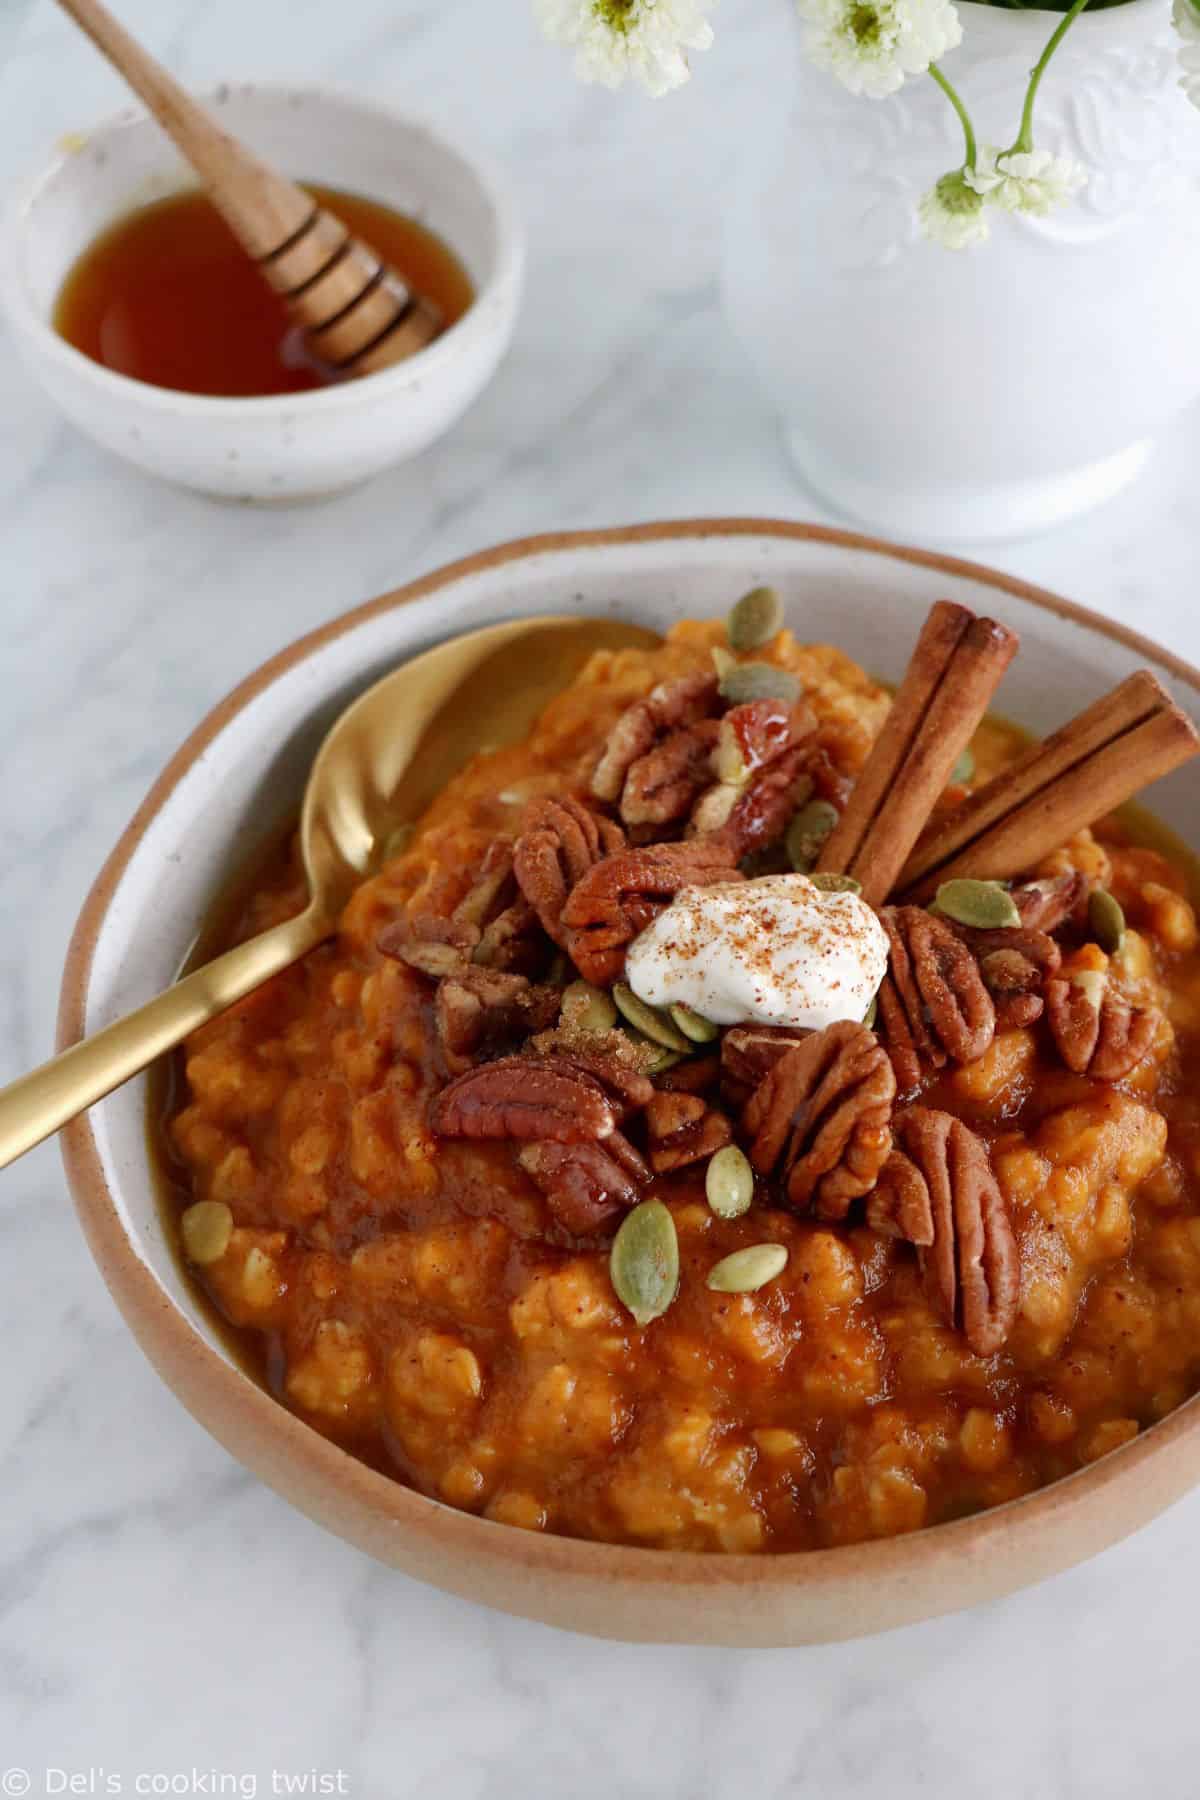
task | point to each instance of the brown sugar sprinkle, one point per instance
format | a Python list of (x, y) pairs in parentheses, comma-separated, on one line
[(981, 1284)]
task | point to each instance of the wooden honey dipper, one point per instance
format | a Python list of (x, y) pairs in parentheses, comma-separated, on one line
[(356, 314)]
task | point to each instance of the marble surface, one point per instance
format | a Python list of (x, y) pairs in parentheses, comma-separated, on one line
[(163, 1616)]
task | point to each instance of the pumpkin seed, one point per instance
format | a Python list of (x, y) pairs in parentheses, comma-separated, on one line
[(587, 1008), (807, 833), (207, 1228), (729, 1183), (872, 1011), (651, 1021), (658, 1059), (829, 883), (755, 619), (1106, 920), (984, 904), (644, 1264), (693, 1025), (1091, 983), (722, 661), (758, 681), (964, 768), (747, 1269)]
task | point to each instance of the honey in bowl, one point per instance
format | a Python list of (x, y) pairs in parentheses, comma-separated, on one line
[(168, 296)]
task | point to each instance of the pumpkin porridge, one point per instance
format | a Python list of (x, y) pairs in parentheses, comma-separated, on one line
[(728, 1123)]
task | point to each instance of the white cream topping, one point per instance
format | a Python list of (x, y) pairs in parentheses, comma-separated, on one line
[(778, 951)]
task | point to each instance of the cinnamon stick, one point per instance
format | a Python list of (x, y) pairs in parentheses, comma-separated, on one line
[(955, 669), (1119, 745)]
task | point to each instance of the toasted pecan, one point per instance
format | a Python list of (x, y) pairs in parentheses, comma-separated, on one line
[(1103, 1036), (560, 840), (749, 1053), (477, 1009), (524, 1097), (619, 897), (972, 1259), (822, 1118), (933, 1004), (682, 1129), (666, 708), (585, 1186)]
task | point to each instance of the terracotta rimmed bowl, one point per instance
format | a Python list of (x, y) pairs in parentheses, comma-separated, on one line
[(241, 773)]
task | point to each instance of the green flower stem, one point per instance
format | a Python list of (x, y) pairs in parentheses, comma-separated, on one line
[(964, 117), (1024, 141)]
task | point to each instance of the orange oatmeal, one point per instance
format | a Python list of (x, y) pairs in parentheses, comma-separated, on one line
[(403, 1161)]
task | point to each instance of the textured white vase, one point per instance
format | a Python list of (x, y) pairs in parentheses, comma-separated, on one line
[(995, 391)]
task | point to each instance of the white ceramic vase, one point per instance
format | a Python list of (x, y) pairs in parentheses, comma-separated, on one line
[(995, 391)]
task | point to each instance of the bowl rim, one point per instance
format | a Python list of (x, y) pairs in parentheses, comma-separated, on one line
[(237, 1411), (507, 264)]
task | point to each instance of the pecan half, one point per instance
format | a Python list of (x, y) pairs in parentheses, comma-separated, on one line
[(1096, 1030), (621, 895), (972, 1259), (1014, 964), (642, 725), (898, 1205), (762, 811), (694, 1075), (681, 1129), (523, 1097), (477, 1010), (607, 1057), (585, 1187), (749, 1053), (1050, 901), (661, 787), (822, 1118), (432, 945), (932, 1002), (560, 841)]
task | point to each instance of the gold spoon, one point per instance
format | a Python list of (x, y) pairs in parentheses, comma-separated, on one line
[(388, 755)]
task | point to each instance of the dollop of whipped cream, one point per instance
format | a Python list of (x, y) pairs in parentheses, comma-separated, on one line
[(776, 951)]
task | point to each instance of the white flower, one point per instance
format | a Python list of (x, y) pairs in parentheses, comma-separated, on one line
[(872, 45), (1187, 23), (953, 214), (1026, 181), (643, 38)]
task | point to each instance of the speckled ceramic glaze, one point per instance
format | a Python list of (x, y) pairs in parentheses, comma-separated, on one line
[(242, 772), (288, 446)]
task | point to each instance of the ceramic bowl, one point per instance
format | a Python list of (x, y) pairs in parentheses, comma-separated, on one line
[(290, 446), (235, 779)]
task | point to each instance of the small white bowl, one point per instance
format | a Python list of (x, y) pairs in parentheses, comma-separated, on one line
[(289, 446)]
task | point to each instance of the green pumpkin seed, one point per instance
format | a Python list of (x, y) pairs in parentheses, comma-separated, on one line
[(1091, 983), (729, 1183), (807, 833), (984, 904), (755, 619), (587, 1008), (644, 1264), (829, 883), (758, 681), (722, 661), (964, 769), (206, 1228), (871, 1013), (693, 1025), (649, 1020), (658, 1059), (747, 1269), (1106, 920)]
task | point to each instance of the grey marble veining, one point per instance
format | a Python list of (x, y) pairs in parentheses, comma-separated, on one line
[(159, 1611)]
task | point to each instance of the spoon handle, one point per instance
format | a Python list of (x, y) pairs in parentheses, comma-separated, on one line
[(41, 1102)]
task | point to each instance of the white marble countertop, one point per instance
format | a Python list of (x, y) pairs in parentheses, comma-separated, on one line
[(161, 1612)]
